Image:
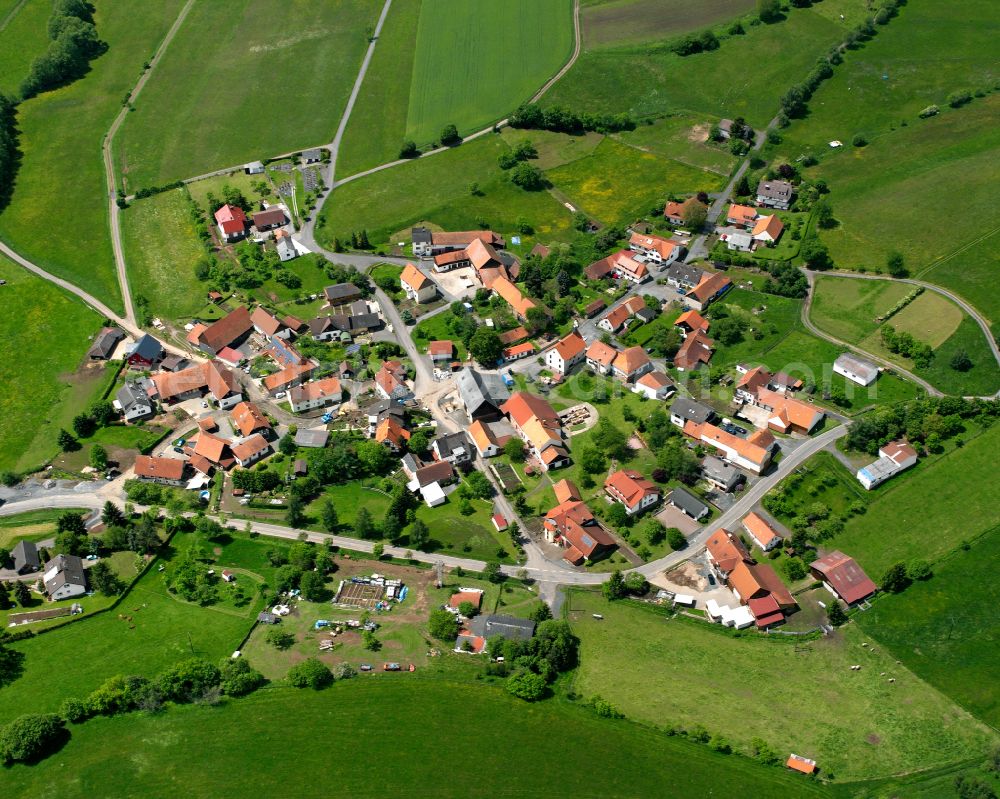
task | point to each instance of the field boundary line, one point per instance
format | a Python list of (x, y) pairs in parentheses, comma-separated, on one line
[(11, 14), (945, 258), (109, 168)]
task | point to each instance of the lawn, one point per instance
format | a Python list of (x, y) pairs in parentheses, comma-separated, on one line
[(930, 510), (741, 78), (150, 631), (683, 137), (52, 332), (617, 183), (161, 249), (436, 329), (769, 320), (485, 70), (348, 499), (316, 49), (23, 36), (472, 536), (438, 189), (33, 525), (635, 21), (200, 189), (65, 127), (169, 752), (554, 149), (847, 308), (944, 628), (385, 95), (930, 318), (799, 697)]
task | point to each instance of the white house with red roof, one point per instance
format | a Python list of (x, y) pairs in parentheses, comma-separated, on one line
[(894, 457), (232, 222), (655, 386), (416, 285), (632, 490), (655, 249), (567, 353)]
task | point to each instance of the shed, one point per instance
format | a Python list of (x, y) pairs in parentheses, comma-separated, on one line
[(301, 467)]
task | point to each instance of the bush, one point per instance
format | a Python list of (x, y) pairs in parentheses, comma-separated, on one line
[(443, 625), (859, 140), (74, 711), (279, 639), (189, 680), (344, 671), (239, 678), (310, 673), (959, 98), (29, 737), (526, 685), (676, 539)]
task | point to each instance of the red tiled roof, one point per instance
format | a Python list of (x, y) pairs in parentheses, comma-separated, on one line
[(249, 418), (845, 576), (163, 468), (226, 330)]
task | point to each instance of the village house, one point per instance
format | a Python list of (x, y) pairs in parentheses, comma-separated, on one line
[(631, 363), (600, 357), (523, 350), (767, 229), (165, 471), (145, 353), (615, 319), (538, 425), (761, 532), (250, 450), (25, 557), (775, 194), (105, 343), (428, 480), (214, 450), (684, 410), (687, 503), (454, 259), (482, 394), (683, 276), (269, 218), (843, 577), (787, 415), (134, 403), (753, 454), (655, 386), (725, 551), (572, 525), (390, 433), (441, 352), (289, 377), (707, 291), (390, 382), (315, 394), (416, 285), (490, 437), (511, 337), (454, 448), (632, 490), (758, 587), (673, 212), (284, 246), (512, 295), (232, 223), (341, 294), (750, 381), (691, 322), (64, 577), (230, 331), (655, 249), (248, 419), (856, 369), (210, 377), (621, 266), (894, 457), (567, 353), (741, 215), (427, 243), (696, 349), (719, 474), (593, 308), (736, 239)]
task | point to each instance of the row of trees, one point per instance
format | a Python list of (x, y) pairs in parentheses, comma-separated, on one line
[(902, 343), (561, 120), (9, 153), (73, 42)]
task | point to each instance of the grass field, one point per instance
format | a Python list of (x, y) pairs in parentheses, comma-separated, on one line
[(161, 249), (554, 149), (391, 201), (929, 510), (847, 308), (32, 525), (52, 332), (168, 752), (943, 628), (682, 137), (23, 37), (436, 329), (971, 272), (485, 70), (741, 78), (635, 21), (616, 182), (316, 50), (385, 95), (65, 127), (797, 697)]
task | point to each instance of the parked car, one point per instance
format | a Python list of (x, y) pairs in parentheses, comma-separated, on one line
[(280, 395), (366, 667), (391, 667), (178, 450)]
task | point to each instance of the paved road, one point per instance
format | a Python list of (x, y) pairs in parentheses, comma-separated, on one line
[(109, 169)]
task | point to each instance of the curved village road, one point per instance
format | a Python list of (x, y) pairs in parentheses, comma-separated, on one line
[(109, 170)]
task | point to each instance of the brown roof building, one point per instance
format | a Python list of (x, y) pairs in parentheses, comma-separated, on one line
[(843, 577)]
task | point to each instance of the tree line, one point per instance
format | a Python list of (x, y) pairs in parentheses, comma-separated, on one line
[(73, 42)]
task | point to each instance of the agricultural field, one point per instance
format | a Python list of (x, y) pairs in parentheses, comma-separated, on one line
[(65, 127), (741, 78), (52, 332), (682, 137), (23, 35), (554, 149), (168, 750), (390, 202), (150, 630), (385, 95), (942, 628), (316, 50), (929, 510), (617, 183), (847, 309), (490, 68), (161, 249), (971, 273), (800, 697), (609, 22)]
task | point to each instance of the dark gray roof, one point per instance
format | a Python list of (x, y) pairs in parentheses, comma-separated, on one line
[(342, 291), (508, 626), (69, 572), (691, 410), (285, 243), (775, 190), (386, 407), (311, 438), (173, 363), (25, 556), (105, 342), (354, 324), (312, 155), (646, 314), (687, 502), (719, 470), (320, 325), (449, 443), (132, 394), (684, 274), (267, 618), (477, 389), (147, 347), (420, 235)]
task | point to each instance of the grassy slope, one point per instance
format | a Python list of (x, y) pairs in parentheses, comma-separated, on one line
[(616, 182), (24, 37), (497, 54), (385, 95), (61, 223), (52, 333), (847, 308), (636, 21), (389, 201), (798, 697), (682, 137), (742, 78), (169, 753), (947, 629), (929, 511), (161, 249), (971, 272), (257, 76)]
